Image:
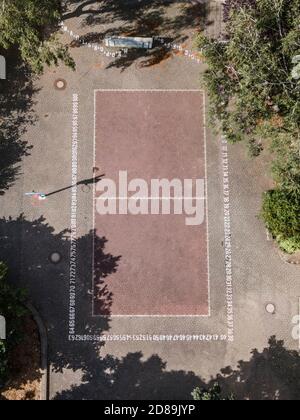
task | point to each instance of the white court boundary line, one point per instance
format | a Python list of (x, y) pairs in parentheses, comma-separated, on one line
[(73, 212), (206, 198), (150, 198), (299, 321), (228, 258)]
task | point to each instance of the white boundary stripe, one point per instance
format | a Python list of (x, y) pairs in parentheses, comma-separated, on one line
[(161, 338), (207, 202), (94, 211), (150, 198), (227, 241), (149, 90), (73, 221), (299, 322), (206, 196)]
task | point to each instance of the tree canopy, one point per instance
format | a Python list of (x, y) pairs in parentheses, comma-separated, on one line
[(29, 25), (254, 83)]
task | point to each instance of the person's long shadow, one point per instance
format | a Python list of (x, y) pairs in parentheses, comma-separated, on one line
[(85, 182)]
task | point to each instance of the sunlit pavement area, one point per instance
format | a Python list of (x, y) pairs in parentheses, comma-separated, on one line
[(144, 357)]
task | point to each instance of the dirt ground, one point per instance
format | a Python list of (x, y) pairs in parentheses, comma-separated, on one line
[(24, 366)]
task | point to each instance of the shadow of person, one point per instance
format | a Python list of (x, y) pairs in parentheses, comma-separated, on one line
[(85, 182), (91, 180)]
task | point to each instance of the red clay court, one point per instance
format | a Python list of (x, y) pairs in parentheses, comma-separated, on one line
[(164, 268)]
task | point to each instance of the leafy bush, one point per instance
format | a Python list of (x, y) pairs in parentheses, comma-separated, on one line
[(12, 308), (281, 213), (286, 168), (255, 148), (28, 25), (212, 394), (234, 5)]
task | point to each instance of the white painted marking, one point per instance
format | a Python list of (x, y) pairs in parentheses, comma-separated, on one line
[(73, 226), (227, 241)]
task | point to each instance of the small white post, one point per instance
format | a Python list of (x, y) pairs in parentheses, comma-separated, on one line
[(2, 328), (2, 68)]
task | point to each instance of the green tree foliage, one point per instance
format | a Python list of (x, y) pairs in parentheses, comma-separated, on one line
[(28, 25), (11, 307), (252, 79), (281, 211), (213, 394)]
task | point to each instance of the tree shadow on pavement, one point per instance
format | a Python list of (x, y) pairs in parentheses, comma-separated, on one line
[(132, 378), (171, 20), (101, 11), (269, 375), (16, 114), (26, 248), (273, 373)]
